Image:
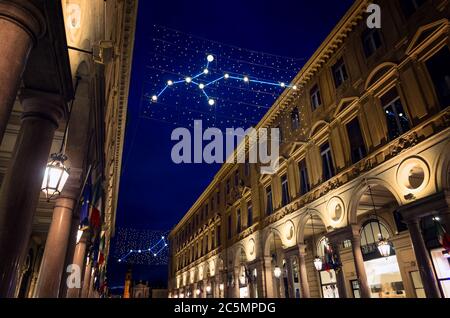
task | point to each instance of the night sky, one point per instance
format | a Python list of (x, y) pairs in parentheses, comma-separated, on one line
[(170, 42)]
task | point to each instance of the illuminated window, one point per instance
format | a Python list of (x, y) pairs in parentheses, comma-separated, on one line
[(295, 119), (396, 118)]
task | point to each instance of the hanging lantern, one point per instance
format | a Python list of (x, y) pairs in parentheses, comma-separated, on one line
[(221, 287), (198, 291), (80, 234), (384, 247), (318, 263), (277, 271), (55, 177), (208, 289)]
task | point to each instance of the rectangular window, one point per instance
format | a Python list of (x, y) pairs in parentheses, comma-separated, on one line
[(417, 284), (357, 146), (439, 68), (206, 211), (238, 221), (396, 118), (327, 162), (355, 289), (316, 100), (304, 179), (249, 214), (229, 227), (269, 203), (218, 235), (409, 7), (295, 119), (371, 40), (213, 240), (339, 73), (285, 198)]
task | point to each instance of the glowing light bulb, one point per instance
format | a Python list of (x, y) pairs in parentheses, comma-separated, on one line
[(169, 82), (246, 79), (154, 98), (210, 58), (120, 260), (165, 244), (205, 71), (162, 237), (154, 255), (211, 102), (227, 76), (188, 79), (201, 86), (282, 84), (139, 251), (294, 87)]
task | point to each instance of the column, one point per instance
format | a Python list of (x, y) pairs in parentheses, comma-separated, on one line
[(270, 284), (359, 266), (340, 277), (69, 253), (290, 276), (260, 281), (21, 24), (424, 264), (19, 193), (79, 259), (302, 271), (53, 261), (236, 291), (87, 279)]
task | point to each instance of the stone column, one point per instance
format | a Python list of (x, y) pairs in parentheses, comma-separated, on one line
[(69, 254), (260, 280), (21, 24), (268, 275), (424, 263), (340, 277), (302, 271), (290, 276), (19, 193), (359, 266), (87, 279), (236, 291), (53, 261), (79, 258)]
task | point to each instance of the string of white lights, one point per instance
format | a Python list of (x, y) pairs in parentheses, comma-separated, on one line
[(191, 80), (155, 250)]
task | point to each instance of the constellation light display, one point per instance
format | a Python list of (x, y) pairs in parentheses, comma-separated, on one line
[(140, 246), (242, 84), (226, 76), (154, 250)]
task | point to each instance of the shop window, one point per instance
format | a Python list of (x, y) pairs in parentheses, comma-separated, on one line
[(339, 73), (316, 100), (417, 284), (327, 162), (304, 180), (409, 7), (355, 288), (328, 284), (295, 119), (439, 69), (269, 202), (357, 145), (371, 41), (285, 190), (396, 118), (441, 262)]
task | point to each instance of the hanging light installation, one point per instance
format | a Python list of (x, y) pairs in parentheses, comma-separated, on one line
[(383, 245), (318, 263)]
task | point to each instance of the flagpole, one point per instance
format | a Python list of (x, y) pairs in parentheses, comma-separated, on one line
[(84, 185)]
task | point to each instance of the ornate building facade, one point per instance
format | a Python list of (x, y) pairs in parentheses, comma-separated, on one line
[(364, 169), (62, 64)]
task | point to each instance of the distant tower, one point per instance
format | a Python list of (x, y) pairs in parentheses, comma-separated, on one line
[(128, 283)]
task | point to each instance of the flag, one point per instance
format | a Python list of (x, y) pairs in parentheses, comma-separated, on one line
[(97, 202), (86, 201), (443, 236)]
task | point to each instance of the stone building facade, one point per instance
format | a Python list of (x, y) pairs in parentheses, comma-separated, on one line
[(60, 60), (364, 155)]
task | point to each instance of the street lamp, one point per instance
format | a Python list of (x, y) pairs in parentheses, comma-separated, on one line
[(318, 264), (383, 244), (56, 173), (55, 176)]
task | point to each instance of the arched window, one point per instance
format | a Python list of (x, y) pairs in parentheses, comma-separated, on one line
[(370, 234)]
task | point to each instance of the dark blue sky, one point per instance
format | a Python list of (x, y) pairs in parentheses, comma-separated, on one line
[(154, 192)]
